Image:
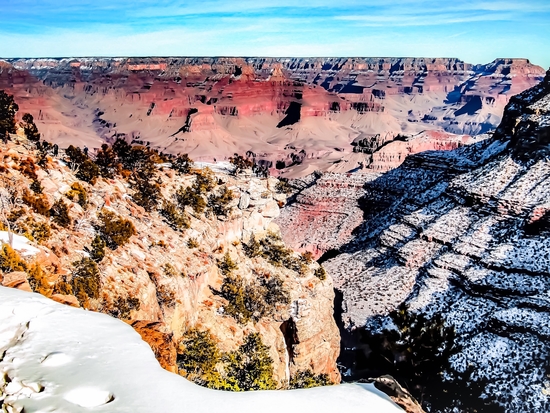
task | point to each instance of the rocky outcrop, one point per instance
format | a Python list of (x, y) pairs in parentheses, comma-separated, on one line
[(398, 394), (212, 108), (165, 281), (323, 213), (464, 235)]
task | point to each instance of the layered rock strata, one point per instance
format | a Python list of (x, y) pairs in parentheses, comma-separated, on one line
[(464, 234), (329, 114)]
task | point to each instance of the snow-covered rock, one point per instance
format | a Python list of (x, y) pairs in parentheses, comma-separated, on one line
[(465, 234), (58, 358)]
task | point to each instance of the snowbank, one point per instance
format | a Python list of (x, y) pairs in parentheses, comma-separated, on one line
[(20, 244), (65, 359)]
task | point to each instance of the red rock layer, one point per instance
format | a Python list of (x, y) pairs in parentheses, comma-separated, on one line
[(279, 109)]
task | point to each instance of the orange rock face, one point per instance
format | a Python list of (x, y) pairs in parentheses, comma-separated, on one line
[(16, 279), (160, 342)]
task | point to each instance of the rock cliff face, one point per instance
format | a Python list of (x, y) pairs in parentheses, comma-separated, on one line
[(464, 234), (329, 114), (158, 281), (323, 212)]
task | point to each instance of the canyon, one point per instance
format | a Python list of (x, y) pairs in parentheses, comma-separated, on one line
[(419, 185), (166, 280), (459, 234), (293, 115)]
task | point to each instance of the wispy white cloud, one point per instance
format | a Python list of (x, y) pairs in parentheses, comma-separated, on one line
[(428, 19), (476, 31)]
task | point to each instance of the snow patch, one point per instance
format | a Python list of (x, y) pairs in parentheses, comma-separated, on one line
[(85, 360), (89, 397), (20, 244), (56, 359)]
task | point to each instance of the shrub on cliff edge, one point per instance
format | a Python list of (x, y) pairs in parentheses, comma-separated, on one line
[(10, 260), (60, 213), (250, 367), (86, 280), (306, 379), (8, 109), (198, 358)]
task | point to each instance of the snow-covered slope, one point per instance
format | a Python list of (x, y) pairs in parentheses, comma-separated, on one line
[(55, 358), (464, 235)]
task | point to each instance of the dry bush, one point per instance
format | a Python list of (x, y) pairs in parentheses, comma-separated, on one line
[(182, 164), (78, 194), (189, 196), (321, 273), (10, 260), (28, 168), (175, 217), (306, 379), (63, 287), (146, 191), (34, 230), (272, 248), (115, 230), (86, 281), (88, 171), (192, 243), (38, 202), (250, 301), (97, 251), (171, 271), (60, 213), (220, 203), (38, 280), (123, 306), (166, 295)]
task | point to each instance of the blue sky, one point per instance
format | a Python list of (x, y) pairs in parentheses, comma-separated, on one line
[(475, 31)]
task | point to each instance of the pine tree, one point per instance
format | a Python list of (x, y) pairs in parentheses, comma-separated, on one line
[(28, 125), (8, 109), (250, 367), (107, 161)]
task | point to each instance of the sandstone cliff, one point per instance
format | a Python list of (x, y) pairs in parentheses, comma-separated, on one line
[(329, 114), (164, 281)]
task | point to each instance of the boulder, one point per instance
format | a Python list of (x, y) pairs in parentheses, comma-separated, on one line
[(16, 279)]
